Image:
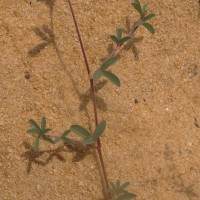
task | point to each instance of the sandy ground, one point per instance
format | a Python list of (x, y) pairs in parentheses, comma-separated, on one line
[(151, 139)]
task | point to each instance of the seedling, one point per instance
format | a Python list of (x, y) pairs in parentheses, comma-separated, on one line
[(119, 192), (116, 190), (40, 132)]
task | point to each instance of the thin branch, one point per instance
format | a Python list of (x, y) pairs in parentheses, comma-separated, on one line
[(92, 93)]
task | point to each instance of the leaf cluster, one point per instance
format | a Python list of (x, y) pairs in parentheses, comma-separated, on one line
[(40, 132), (118, 37), (142, 10), (102, 71), (89, 138), (119, 191)]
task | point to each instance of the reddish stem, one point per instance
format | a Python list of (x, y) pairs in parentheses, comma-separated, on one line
[(93, 95)]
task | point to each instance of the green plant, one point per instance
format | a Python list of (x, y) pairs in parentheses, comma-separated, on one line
[(116, 190)]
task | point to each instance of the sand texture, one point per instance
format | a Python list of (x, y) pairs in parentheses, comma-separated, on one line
[(152, 137)]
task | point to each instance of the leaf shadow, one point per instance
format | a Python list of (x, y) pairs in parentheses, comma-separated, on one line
[(49, 3), (86, 98), (182, 188), (79, 151), (176, 177), (196, 123), (47, 36), (33, 157)]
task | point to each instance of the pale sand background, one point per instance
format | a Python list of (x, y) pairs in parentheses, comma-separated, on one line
[(153, 143)]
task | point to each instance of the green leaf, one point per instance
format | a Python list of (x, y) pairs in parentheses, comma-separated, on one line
[(113, 189), (127, 196), (148, 17), (114, 79), (117, 184), (99, 130), (65, 133), (97, 75), (137, 2), (123, 191), (34, 124), (48, 139), (125, 185), (88, 140), (43, 123), (34, 131), (115, 39), (69, 141), (108, 63), (36, 145), (144, 9), (45, 131), (79, 130), (149, 27), (119, 33), (137, 6), (58, 139), (125, 39)]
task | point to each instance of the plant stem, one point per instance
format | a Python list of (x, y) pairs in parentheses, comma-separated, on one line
[(92, 93)]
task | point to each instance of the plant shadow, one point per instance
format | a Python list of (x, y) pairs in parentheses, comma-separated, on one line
[(49, 3), (176, 177), (33, 157), (86, 98), (48, 38), (79, 153)]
